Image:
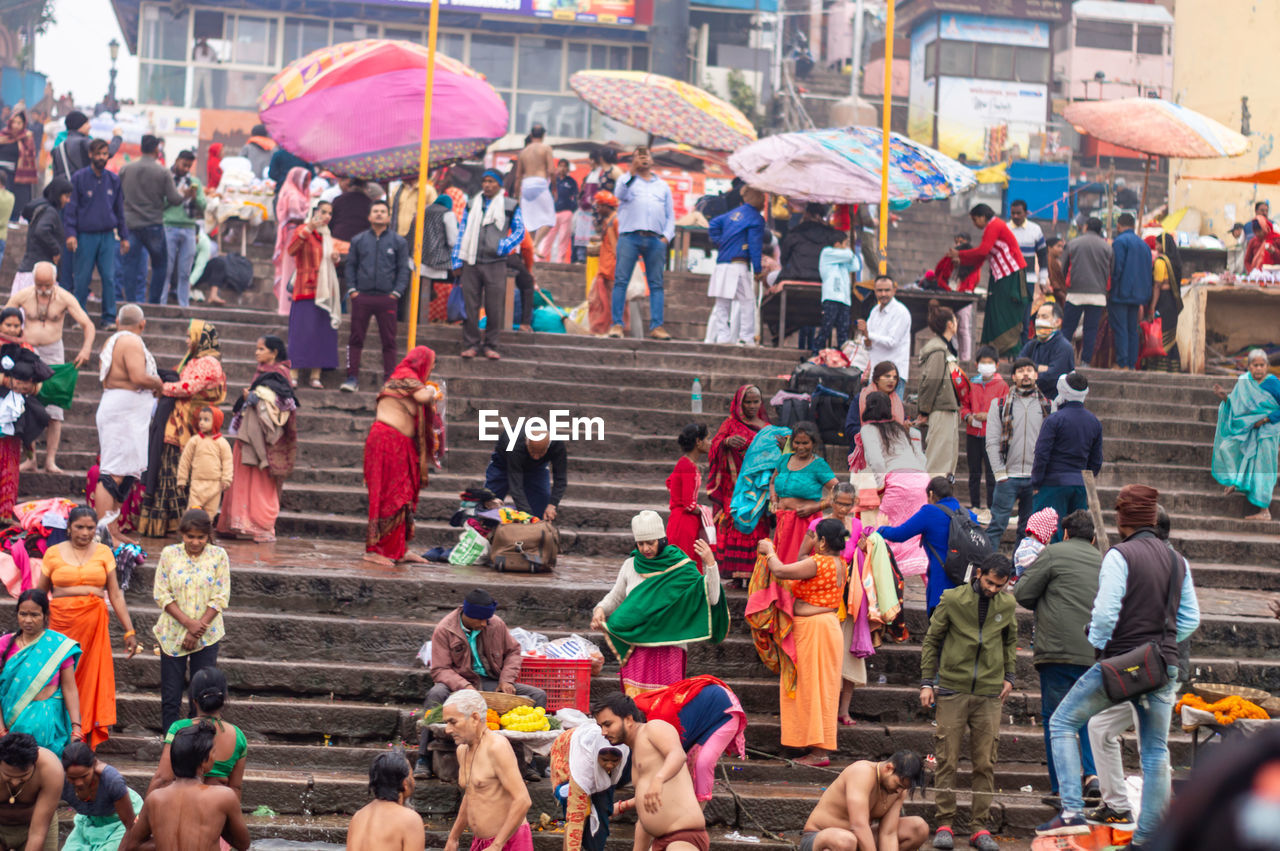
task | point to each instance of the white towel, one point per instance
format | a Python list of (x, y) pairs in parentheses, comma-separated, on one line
[(537, 206), (495, 214)]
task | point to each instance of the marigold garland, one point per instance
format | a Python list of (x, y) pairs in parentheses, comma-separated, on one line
[(1225, 711)]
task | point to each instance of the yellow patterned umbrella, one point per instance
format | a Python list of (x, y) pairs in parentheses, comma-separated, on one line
[(665, 107)]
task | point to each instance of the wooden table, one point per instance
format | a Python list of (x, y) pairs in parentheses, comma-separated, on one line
[(1235, 317)]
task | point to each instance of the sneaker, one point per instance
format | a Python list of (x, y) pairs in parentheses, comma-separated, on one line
[(1064, 824), (660, 333), (1106, 815), (984, 516), (1092, 790), (943, 839), (350, 386), (983, 841), (614, 331)]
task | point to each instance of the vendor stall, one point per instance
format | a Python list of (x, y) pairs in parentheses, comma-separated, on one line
[(1223, 317)]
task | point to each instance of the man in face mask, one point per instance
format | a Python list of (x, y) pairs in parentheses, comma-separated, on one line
[(1013, 425), (1051, 352)]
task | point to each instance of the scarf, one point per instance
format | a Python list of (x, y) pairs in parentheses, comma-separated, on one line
[(1067, 393), (1006, 416), (665, 704), (328, 291), (213, 166), (217, 423), (264, 142), (408, 378), (25, 169), (669, 607), (751, 491), (723, 461), (477, 217), (585, 744), (205, 337)]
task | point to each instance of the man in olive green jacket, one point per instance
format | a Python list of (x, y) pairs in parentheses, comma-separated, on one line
[(966, 668), (1059, 587)]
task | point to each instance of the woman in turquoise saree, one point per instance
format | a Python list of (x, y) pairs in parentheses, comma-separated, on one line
[(38, 692), (1248, 435)]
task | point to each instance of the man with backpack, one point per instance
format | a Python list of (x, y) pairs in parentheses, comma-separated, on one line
[(950, 535), (1013, 426), (967, 663)]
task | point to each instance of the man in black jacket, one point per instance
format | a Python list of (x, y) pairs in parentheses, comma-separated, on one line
[(377, 275), (803, 245), (73, 154), (533, 473)]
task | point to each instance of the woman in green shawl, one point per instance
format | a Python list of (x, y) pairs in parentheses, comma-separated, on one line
[(660, 602), (1248, 435)]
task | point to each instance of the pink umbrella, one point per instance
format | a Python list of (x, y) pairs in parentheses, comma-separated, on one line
[(356, 109)]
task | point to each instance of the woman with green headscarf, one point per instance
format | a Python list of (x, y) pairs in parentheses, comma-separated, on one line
[(201, 382), (661, 602)]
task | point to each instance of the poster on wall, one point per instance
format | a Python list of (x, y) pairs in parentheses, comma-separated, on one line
[(968, 109)]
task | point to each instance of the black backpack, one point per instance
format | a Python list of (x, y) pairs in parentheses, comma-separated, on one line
[(967, 546), (829, 409)]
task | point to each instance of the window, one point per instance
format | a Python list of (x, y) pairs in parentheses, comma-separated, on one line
[(255, 41), (619, 58), (162, 84), (491, 55), (1151, 40), (301, 36), (1105, 35), (164, 34), (955, 59), (931, 60), (413, 36), (994, 61), (1031, 65), (540, 60), (562, 116), (579, 56), (239, 89), (640, 59), (453, 45), (210, 26), (351, 32)]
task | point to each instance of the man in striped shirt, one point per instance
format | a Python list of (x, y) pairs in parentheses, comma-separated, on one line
[(1007, 297)]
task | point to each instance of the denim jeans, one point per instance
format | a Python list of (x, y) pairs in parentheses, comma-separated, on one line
[(632, 247), (1086, 699), (1092, 314), (180, 245), (1124, 327), (835, 315), (97, 249), (150, 239), (1055, 681), (1009, 492), (1063, 499)]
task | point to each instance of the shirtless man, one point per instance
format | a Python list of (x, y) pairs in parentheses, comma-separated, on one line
[(188, 815), (387, 823), (494, 799), (534, 167), (392, 466), (864, 793), (665, 803), (46, 306), (32, 781), (129, 384)]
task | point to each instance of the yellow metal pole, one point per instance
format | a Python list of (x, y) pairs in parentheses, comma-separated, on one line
[(423, 176), (884, 142)]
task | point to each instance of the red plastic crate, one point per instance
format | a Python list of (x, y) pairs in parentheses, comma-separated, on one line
[(567, 682)]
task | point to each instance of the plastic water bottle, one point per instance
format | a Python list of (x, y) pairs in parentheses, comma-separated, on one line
[(695, 398)]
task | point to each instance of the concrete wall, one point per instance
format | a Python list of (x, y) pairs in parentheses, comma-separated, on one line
[(1215, 42)]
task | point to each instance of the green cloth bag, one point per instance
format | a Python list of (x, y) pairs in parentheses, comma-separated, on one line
[(60, 389)]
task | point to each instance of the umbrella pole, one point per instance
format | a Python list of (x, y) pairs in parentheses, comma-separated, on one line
[(1146, 179), (887, 115), (415, 279)]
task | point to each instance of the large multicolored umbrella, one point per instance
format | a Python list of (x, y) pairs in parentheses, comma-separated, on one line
[(1154, 126), (665, 107), (842, 166), (356, 109)]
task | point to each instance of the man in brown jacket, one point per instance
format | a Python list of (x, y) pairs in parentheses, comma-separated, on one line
[(472, 648)]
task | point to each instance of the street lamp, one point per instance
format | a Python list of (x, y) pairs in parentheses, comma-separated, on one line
[(114, 47)]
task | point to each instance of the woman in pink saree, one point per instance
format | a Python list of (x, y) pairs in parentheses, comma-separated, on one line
[(292, 207)]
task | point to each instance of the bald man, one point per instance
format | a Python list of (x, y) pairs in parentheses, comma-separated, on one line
[(534, 473), (46, 307)]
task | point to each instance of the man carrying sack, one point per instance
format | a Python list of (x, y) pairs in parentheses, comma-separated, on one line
[(1146, 604)]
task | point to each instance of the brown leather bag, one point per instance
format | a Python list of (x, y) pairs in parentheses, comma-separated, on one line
[(524, 547)]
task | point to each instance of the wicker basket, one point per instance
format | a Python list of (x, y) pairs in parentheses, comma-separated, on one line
[(1213, 692), (503, 703)]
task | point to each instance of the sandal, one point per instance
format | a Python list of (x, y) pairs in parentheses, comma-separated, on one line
[(468, 354), (317, 384), (847, 721)]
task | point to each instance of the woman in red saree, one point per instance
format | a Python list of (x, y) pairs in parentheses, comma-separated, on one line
[(401, 442), (1264, 248), (735, 551)]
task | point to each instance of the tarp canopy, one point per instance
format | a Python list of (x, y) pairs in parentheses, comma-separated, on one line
[(1267, 177)]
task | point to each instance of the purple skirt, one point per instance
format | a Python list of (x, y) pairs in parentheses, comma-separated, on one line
[(313, 341)]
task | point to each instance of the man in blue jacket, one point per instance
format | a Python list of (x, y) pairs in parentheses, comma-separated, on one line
[(739, 239), (1070, 441), (1051, 351), (933, 525), (91, 220), (1131, 284)]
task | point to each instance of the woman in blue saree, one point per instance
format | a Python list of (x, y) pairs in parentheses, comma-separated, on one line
[(38, 692), (1248, 435)]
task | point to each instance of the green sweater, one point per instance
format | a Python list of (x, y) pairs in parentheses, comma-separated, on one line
[(958, 655), (176, 215), (1059, 587)]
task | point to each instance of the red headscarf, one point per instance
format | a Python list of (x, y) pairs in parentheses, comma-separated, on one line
[(410, 376), (217, 421), (213, 166), (417, 364), (723, 460)]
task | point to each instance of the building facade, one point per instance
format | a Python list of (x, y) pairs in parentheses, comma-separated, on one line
[(1113, 50)]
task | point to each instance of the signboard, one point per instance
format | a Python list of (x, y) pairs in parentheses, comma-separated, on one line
[(968, 109), (1039, 10), (571, 11), (992, 30)]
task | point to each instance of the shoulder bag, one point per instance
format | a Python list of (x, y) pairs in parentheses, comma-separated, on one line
[(1142, 670)]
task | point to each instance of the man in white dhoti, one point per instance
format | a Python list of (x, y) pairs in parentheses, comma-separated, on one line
[(739, 238), (534, 166), (130, 384)]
